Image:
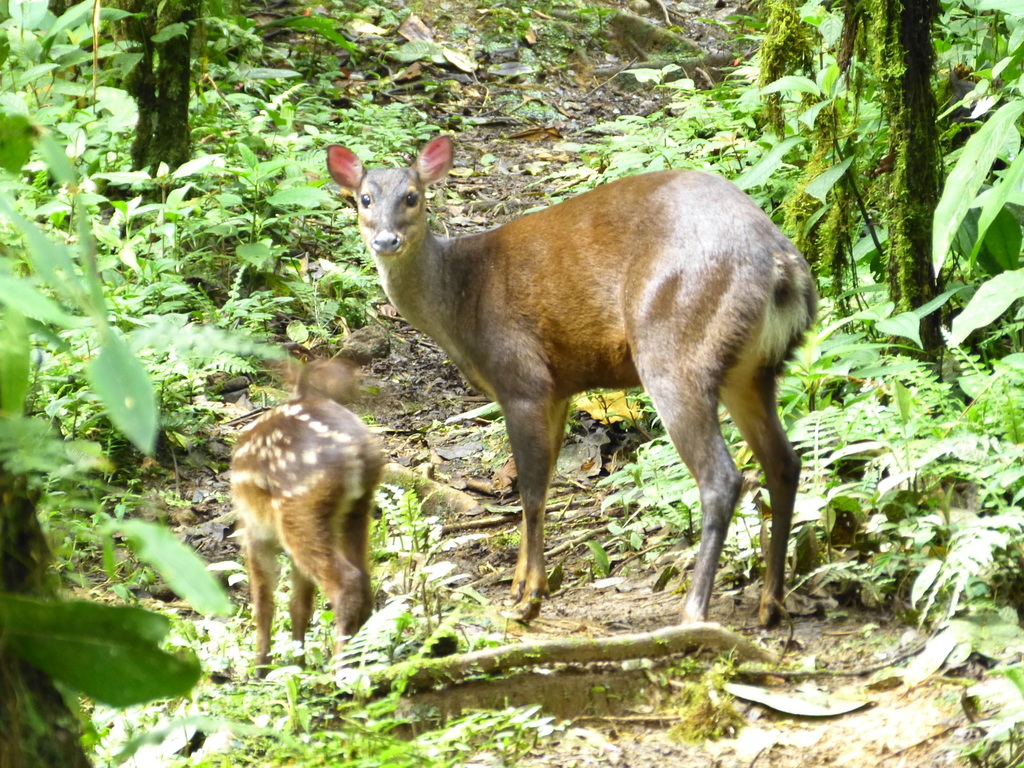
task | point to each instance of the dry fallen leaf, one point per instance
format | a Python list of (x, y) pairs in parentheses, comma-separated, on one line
[(538, 134), (413, 72), (415, 28), (608, 407)]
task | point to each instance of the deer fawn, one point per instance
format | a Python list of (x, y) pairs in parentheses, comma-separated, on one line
[(675, 280), (303, 478)]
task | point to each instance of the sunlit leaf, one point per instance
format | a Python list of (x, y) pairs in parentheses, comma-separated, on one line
[(306, 197), (608, 407), (992, 300), (601, 564), (325, 26), (418, 50), (932, 658)]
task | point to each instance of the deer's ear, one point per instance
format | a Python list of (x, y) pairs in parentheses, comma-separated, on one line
[(344, 167), (435, 160)]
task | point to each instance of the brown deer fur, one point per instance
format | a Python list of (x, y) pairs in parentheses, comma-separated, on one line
[(303, 479), (675, 280)]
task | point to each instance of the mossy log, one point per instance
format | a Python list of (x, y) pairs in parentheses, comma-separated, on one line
[(424, 674)]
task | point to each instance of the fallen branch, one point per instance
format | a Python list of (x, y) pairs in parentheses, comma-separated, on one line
[(481, 522), (423, 674)]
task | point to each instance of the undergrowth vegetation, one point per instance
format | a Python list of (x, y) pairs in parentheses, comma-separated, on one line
[(913, 467)]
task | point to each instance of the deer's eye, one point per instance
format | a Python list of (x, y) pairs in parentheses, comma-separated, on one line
[(412, 199), (364, 200)]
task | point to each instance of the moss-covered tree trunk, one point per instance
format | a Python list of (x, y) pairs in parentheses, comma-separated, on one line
[(160, 82), (36, 727), (903, 58)]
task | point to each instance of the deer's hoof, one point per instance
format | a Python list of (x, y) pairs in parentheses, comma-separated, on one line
[(525, 610)]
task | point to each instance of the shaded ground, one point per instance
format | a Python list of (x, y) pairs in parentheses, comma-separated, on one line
[(618, 718)]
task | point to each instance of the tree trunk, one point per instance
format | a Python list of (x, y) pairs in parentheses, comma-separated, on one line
[(36, 726), (903, 57), (160, 82)]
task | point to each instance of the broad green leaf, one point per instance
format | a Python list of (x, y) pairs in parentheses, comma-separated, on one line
[(110, 653), (924, 581), (641, 74), (325, 26), (766, 166), (18, 292), (992, 299), (15, 351), (995, 199), (180, 566), (904, 401), (171, 31), (305, 197), (253, 253), (16, 134), (28, 14), (417, 50), (298, 332), (267, 73), (125, 177), (52, 260), (248, 156), (57, 159), (792, 83), (602, 566), (905, 324), (81, 14), (806, 703), (1009, 7), (968, 175), (195, 165), (821, 184), (999, 248), (120, 380)]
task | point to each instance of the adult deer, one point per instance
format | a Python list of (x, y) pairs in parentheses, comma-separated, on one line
[(675, 280)]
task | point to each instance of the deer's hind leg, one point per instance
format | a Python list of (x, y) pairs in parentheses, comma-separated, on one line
[(751, 400), (685, 394)]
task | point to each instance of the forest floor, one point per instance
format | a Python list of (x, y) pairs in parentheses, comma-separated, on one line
[(520, 124)]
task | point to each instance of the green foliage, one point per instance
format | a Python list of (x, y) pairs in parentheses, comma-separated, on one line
[(124, 293), (186, 574), (77, 643)]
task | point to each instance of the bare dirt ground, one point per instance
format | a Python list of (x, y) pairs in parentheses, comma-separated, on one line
[(616, 718)]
